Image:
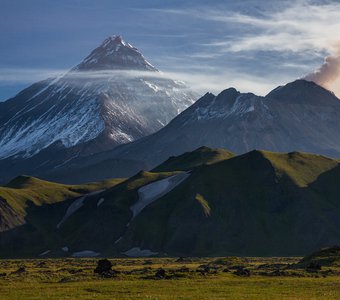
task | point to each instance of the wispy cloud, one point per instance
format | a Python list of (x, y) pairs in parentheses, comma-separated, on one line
[(305, 30), (297, 26), (198, 81), (16, 75), (300, 27), (227, 43)]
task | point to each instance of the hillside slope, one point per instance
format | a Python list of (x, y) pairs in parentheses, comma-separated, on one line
[(24, 192), (258, 203)]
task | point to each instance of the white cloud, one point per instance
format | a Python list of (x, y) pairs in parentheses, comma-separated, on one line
[(27, 75), (199, 81), (294, 25), (305, 29), (302, 26)]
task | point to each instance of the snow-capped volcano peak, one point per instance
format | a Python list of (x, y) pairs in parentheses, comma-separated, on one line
[(91, 106), (115, 54), (115, 41)]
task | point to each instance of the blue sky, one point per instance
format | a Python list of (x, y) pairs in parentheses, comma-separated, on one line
[(251, 45)]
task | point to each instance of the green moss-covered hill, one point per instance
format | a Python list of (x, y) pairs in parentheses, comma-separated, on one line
[(259, 203), (191, 160), (22, 197)]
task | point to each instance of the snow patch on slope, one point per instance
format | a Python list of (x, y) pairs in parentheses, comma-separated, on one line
[(45, 253), (101, 200), (86, 253), (152, 191), (137, 252), (243, 105), (118, 135), (152, 86), (77, 204), (72, 124)]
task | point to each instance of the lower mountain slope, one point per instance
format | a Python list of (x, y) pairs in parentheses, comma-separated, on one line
[(25, 193), (215, 204)]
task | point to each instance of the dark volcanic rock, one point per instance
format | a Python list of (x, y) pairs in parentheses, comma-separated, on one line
[(104, 269), (160, 273), (241, 271), (103, 265), (207, 269), (21, 270)]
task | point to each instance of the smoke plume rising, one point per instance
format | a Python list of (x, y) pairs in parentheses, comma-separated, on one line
[(328, 75)]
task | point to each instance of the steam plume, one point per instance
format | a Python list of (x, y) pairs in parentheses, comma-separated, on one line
[(328, 73)]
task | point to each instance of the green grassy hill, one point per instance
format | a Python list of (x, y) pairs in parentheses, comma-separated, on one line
[(191, 160), (259, 203), (23, 191), (23, 196)]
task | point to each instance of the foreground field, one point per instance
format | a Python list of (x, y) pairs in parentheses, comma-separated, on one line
[(224, 278)]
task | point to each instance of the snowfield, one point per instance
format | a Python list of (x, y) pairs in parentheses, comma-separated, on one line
[(137, 252), (151, 192), (77, 204), (101, 200), (44, 253), (85, 253)]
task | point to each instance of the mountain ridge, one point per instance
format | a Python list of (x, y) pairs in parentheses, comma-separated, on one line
[(242, 122)]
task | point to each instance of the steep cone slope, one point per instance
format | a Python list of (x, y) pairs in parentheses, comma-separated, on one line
[(259, 203), (113, 97), (115, 53)]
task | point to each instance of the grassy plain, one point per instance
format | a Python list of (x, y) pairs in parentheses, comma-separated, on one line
[(197, 278)]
